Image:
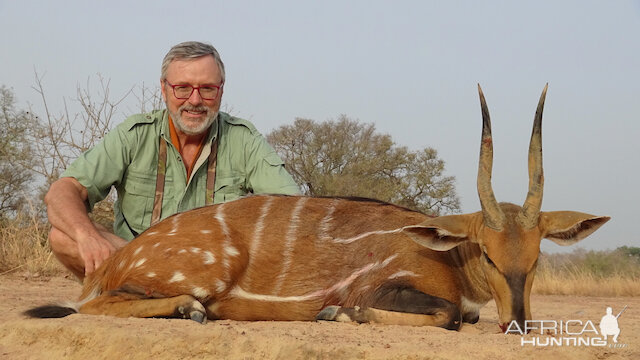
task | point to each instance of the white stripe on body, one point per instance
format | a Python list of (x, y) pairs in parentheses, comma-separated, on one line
[(256, 240), (366, 234), (402, 273), (226, 243), (289, 244), (325, 224)]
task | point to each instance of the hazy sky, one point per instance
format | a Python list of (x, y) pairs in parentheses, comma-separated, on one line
[(410, 67)]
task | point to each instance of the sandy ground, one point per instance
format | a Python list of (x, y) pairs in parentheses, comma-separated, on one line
[(88, 337)]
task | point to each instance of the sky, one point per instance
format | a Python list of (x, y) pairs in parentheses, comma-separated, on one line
[(409, 67)]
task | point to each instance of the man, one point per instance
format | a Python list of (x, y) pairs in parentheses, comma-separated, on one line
[(161, 163), (609, 325)]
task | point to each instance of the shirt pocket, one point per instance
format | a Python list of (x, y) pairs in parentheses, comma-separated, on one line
[(229, 188), (273, 159), (137, 200)]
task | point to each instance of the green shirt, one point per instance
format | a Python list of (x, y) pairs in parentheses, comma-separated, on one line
[(127, 158)]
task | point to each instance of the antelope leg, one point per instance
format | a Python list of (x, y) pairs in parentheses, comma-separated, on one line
[(128, 305), (400, 306)]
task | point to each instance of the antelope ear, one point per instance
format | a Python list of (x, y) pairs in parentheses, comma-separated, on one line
[(441, 233), (568, 227)]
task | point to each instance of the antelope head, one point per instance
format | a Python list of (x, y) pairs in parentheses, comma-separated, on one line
[(508, 236)]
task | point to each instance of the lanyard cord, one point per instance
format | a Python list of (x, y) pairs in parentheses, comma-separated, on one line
[(162, 171)]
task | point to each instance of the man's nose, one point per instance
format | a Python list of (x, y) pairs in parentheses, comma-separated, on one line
[(195, 98)]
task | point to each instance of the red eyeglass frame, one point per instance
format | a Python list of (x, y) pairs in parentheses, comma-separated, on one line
[(194, 88)]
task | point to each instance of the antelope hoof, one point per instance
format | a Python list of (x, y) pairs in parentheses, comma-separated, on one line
[(329, 313), (198, 316), (194, 311)]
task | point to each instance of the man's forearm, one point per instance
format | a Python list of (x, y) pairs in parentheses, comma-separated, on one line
[(66, 209)]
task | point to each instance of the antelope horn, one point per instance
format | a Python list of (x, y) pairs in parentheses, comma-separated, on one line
[(491, 211), (528, 216)]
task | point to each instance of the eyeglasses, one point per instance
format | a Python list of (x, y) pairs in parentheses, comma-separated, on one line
[(183, 92)]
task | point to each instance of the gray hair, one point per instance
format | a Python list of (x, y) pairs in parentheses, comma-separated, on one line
[(190, 50)]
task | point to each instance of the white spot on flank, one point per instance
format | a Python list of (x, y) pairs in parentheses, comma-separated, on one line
[(177, 276), (290, 240), (156, 245), (140, 262), (220, 286), (402, 273), (199, 292), (195, 250), (137, 251), (152, 233), (167, 249), (182, 251), (151, 274), (206, 231), (208, 257), (231, 250)]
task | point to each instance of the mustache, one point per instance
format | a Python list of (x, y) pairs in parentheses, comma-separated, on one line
[(189, 107)]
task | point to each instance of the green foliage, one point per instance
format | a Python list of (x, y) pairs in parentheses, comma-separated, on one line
[(348, 158), (630, 251), (15, 153)]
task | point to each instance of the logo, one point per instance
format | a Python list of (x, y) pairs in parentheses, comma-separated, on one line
[(570, 332)]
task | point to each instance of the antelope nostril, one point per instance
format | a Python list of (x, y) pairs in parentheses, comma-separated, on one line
[(503, 327)]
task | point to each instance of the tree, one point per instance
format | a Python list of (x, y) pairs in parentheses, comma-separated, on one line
[(347, 158), (14, 150)]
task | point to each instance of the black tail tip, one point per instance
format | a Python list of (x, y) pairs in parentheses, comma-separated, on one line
[(49, 311)]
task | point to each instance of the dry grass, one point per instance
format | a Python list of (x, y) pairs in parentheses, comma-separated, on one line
[(24, 247), (589, 273), (585, 284)]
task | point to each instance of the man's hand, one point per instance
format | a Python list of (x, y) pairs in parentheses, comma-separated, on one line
[(94, 250), (80, 244)]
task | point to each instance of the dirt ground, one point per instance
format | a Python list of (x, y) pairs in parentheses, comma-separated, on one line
[(88, 337)]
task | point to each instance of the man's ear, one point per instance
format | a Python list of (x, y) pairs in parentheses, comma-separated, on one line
[(163, 91), (441, 233), (568, 227)]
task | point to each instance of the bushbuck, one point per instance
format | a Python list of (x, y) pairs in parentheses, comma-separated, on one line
[(272, 257)]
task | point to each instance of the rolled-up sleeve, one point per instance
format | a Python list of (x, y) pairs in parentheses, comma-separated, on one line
[(102, 166), (266, 170)]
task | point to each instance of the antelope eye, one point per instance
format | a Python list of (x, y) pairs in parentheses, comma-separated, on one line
[(487, 259)]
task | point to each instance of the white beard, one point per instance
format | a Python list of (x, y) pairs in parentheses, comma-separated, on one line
[(209, 118)]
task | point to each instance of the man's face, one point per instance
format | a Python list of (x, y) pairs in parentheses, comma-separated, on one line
[(192, 116)]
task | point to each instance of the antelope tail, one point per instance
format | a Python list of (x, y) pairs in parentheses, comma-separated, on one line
[(52, 311)]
